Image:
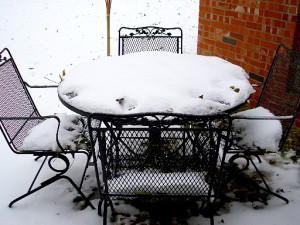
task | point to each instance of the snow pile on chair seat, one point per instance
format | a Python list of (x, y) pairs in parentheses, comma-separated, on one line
[(147, 183), (258, 133), (43, 135)]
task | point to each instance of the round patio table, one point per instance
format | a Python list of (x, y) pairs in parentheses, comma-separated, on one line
[(155, 82), (156, 87)]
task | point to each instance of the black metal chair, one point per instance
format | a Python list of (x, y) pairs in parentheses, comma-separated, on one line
[(280, 95), (149, 38), (159, 157), (18, 115)]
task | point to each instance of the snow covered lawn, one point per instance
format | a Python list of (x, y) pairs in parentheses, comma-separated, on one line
[(49, 36)]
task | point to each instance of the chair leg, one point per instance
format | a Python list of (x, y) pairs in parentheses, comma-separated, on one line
[(78, 190), (25, 195), (30, 191), (212, 222), (105, 213), (89, 156), (107, 202), (38, 172), (267, 189), (235, 172), (48, 182)]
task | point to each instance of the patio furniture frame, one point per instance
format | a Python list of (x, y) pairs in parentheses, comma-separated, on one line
[(18, 115), (159, 156), (149, 38), (281, 95)]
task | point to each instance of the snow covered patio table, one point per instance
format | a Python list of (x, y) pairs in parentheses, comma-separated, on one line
[(143, 101), (155, 82)]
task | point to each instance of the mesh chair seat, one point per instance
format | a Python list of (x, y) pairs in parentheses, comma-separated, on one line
[(249, 133), (70, 135)]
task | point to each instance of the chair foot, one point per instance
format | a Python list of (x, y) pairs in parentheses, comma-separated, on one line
[(25, 195), (237, 173), (48, 182), (273, 193), (78, 190), (267, 189), (89, 156)]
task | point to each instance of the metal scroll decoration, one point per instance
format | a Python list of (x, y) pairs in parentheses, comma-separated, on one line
[(151, 31)]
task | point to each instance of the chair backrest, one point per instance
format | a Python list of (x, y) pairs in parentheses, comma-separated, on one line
[(15, 101), (281, 91), (149, 38), (159, 155)]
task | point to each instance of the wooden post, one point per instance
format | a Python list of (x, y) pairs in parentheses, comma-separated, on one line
[(108, 7)]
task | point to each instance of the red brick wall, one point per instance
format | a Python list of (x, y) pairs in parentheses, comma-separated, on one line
[(247, 32)]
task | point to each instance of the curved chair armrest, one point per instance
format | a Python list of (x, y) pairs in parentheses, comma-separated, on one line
[(42, 118), (40, 86), (266, 132), (261, 84), (263, 117), (57, 131)]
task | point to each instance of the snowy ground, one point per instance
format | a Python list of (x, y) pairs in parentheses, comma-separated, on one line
[(47, 37)]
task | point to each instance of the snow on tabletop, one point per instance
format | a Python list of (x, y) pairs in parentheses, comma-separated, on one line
[(264, 134), (156, 82), (43, 135)]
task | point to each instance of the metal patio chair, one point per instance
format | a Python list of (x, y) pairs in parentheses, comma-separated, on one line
[(158, 157), (18, 115), (280, 95), (149, 38)]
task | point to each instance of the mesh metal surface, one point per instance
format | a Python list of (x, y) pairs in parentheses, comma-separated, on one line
[(149, 38), (15, 101), (161, 156), (281, 91), (142, 44)]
